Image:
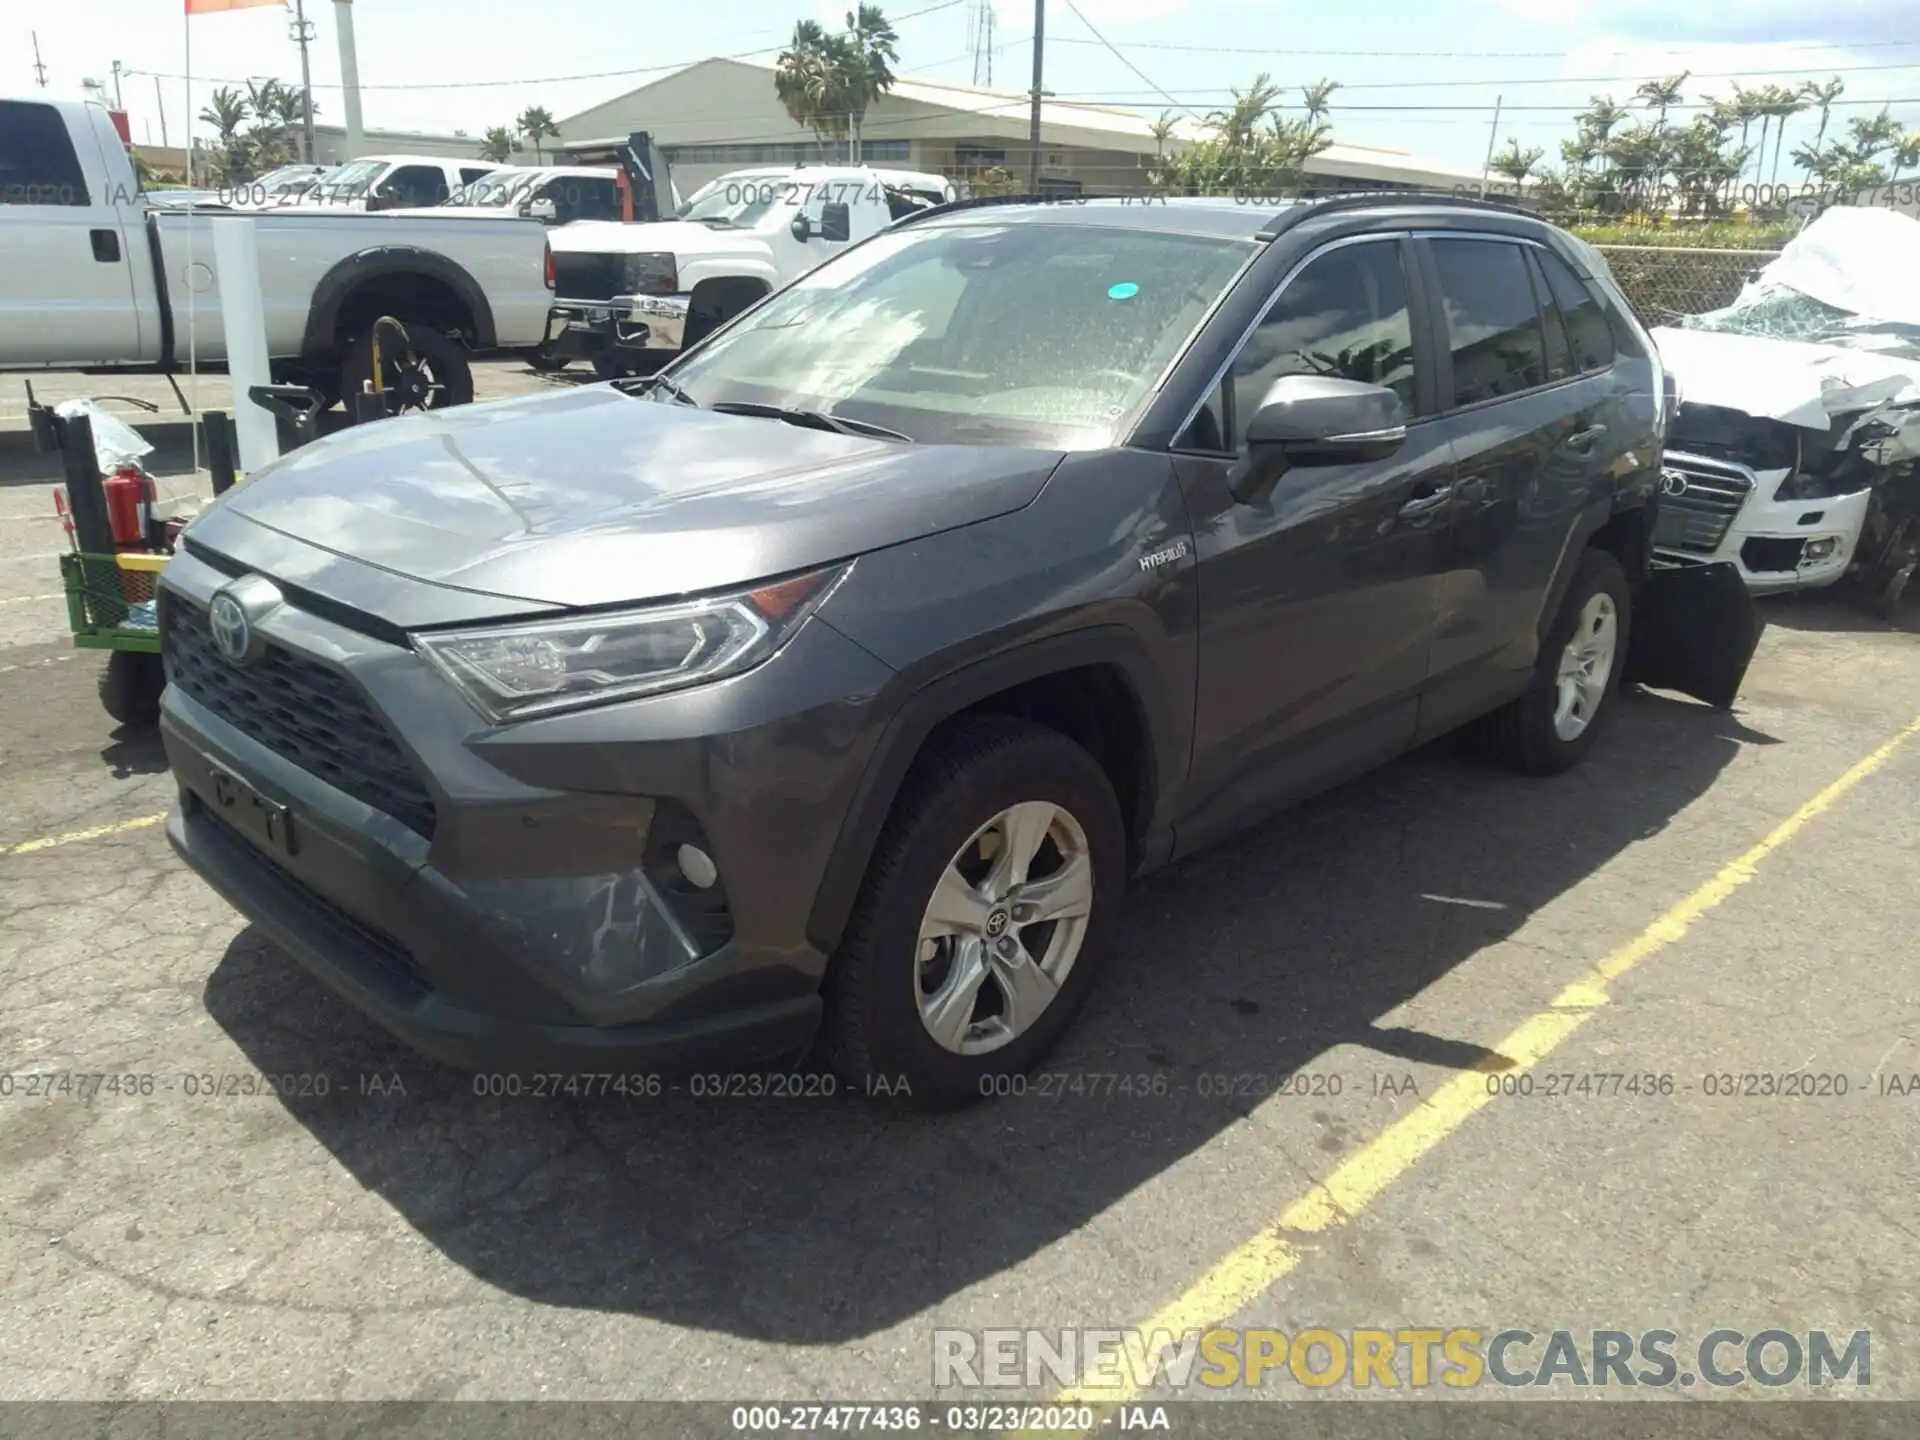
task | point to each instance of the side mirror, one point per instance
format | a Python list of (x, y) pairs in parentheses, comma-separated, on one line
[(1317, 420), (836, 221), (802, 228), (542, 209)]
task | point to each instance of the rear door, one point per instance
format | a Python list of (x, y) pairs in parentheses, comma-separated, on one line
[(66, 274), (1528, 426), (1318, 603)]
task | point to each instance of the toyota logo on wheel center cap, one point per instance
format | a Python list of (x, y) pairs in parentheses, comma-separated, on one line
[(996, 923)]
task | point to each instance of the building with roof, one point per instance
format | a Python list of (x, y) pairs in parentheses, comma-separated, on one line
[(720, 115)]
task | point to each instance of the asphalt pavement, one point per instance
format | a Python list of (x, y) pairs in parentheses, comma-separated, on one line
[(1366, 1066)]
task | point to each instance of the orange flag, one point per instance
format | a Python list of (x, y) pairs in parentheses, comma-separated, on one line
[(214, 7)]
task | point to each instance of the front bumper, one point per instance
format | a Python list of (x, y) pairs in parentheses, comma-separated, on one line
[(523, 921), (585, 328), (1776, 544)]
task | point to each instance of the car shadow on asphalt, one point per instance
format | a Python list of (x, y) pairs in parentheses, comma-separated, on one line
[(808, 1221), (134, 750), (1840, 610)]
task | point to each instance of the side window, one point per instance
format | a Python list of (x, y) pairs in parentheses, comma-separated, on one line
[(1345, 315), (1587, 329), (469, 174), (417, 185), (37, 163), (1559, 355), (1493, 326), (599, 200)]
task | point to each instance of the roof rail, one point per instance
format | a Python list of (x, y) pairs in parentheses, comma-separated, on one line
[(1364, 199), (980, 202)]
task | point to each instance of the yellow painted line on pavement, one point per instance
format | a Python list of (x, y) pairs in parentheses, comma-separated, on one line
[(24, 599), (76, 837), (1255, 1266)]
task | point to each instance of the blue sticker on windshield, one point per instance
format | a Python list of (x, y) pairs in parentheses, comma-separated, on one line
[(1125, 290)]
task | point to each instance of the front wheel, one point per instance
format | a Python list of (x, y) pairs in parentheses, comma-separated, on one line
[(130, 686), (431, 371), (979, 929), (1553, 725)]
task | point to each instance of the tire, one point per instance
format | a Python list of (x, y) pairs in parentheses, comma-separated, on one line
[(548, 364), (130, 686), (606, 367), (887, 969), (1530, 735), (446, 359)]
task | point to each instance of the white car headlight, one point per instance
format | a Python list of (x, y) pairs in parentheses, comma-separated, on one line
[(511, 672)]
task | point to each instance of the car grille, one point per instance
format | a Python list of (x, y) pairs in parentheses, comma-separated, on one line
[(1711, 493), (300, 710), (588, 277)]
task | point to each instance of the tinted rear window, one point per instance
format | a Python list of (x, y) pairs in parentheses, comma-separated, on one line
[(37, 163), (1587, 328), (1493, 325)]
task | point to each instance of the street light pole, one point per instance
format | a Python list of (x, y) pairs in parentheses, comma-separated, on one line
[(1033, 116), (303, 32)]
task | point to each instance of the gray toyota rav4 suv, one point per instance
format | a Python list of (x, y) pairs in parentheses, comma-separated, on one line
[(827, 689)]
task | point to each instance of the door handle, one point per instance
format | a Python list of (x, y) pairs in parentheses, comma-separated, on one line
[(106, 246), (1427, 503), (1581, 441)]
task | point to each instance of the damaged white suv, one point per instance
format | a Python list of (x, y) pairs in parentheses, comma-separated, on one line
[(1800, 406)]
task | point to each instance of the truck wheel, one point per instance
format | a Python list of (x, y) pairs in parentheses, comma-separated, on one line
[(548, 364), (1553, 725), (980, 924), (130, 686), (431, 371), (606, 367)]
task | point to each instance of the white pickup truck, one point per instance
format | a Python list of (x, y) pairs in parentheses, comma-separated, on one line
[(630, 297), (93, 276)]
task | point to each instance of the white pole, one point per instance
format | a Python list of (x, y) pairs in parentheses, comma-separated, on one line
[(243, 315), (1493, 136), (349, 78), (193, 301)]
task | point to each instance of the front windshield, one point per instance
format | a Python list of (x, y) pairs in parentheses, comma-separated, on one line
[(345, 182), (738, 202), (976, 333), (496, 190)]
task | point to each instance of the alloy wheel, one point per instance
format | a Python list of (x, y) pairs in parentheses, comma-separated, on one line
[(1003, 928), (1586, 664)]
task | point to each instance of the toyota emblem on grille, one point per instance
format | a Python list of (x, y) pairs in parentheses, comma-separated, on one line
[(1672, 482), (231, 617)]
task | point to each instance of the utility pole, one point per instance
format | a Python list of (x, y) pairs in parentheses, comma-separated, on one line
[(349, 78), (118, 71), (303, 32), (1033, 117), (39, 70), (1493, 138), (160, 103)]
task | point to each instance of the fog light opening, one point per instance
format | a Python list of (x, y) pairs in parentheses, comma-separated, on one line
[(697, 866), (1821, 549)]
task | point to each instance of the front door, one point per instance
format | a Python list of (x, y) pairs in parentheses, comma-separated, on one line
[(1318, 604)]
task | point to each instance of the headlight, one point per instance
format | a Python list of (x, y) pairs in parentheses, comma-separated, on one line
[(652, 273), (510, 672)]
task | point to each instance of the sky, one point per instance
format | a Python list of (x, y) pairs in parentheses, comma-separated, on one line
[(1415, 75)]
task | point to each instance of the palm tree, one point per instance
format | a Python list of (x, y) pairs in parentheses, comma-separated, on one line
[(536, 124), (1315, 98), (863, 58), (1659, 94), (804, 80), (1906, 154), (1237, 122), (1517, 164), (226, 112), (1162, 131), (499, 144), (1822, 98), (1783, 104)]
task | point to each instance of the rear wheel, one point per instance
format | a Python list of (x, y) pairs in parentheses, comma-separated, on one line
[(979, 930), (548, 364), (130, 686), (431, 371), (1553, 725)]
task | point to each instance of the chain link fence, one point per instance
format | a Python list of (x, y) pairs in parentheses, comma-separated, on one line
[(1667, 282)]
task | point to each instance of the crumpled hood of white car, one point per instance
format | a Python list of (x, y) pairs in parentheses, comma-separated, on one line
[(1788, 380)]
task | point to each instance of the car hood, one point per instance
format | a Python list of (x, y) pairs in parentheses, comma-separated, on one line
[(598, 498), (678, 237), (1803, 384)]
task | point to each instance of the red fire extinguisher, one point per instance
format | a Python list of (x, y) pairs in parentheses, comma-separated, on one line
[(130, 495)]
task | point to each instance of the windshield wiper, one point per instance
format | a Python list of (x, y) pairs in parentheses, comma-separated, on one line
[(810, 419), (647, 384)]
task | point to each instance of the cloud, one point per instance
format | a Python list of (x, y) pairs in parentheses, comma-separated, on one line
[(1734, 22)]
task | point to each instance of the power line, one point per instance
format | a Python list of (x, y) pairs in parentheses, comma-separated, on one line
[(557, 79), (1482, 54), (1124, 61)]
